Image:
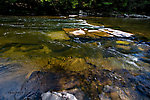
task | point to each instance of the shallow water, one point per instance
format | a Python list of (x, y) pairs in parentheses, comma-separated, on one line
[(36, 56), (139, 26)]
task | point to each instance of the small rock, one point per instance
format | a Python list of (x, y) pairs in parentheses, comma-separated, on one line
[(58, 96)]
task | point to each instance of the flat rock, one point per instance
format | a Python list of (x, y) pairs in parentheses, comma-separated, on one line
[(85, 33), (96, 34)]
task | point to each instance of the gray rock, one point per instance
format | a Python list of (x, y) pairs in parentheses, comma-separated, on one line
[(58, 96)]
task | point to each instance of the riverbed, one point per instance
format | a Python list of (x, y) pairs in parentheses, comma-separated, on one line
[(37, 55)]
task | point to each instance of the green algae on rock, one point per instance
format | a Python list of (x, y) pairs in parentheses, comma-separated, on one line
[(123, 42), (66, 63)]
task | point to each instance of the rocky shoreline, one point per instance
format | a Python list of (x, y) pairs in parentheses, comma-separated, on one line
[(112, 14)]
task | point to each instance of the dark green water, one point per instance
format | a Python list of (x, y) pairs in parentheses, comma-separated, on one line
[(37, 56)]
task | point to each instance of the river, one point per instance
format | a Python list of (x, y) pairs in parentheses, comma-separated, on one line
[(38, 54)]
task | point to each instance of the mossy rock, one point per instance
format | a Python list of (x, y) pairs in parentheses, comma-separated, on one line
[(101, 63), (66, 63), (77, 64)]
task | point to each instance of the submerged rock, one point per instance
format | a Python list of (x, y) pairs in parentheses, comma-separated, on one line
[(58, 35), (66, 63)]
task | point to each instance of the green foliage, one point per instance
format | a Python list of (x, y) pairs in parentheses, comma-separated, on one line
[(66, 6), (74, 3), (107, 3), (46, 0)]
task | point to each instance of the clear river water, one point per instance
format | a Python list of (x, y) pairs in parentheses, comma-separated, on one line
[(37, 55)]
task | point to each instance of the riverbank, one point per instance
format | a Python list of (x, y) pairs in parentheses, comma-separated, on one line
[(81, 13)]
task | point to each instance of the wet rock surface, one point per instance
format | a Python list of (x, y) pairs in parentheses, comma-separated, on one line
[(40, 82), (58, 96), (143, 83), (92, 84), (98, 34)]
